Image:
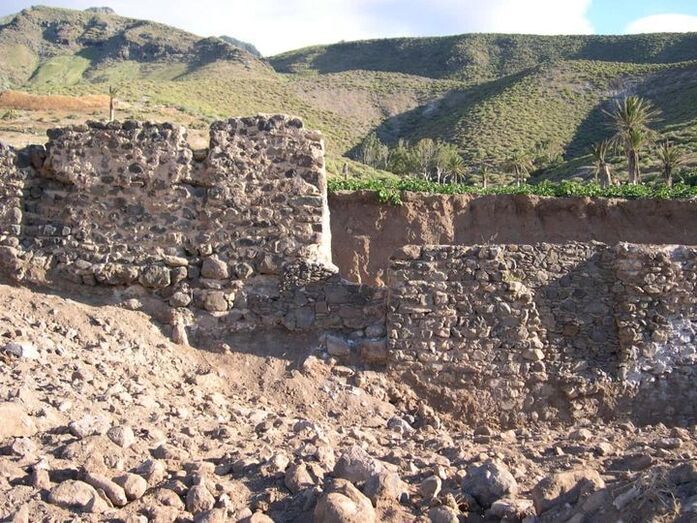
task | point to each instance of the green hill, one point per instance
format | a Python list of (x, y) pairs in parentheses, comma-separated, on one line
[(62, 46), (478, 57), (488, 94)]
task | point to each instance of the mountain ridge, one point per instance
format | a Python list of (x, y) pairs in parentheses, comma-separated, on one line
[(489, 94), (480, 53), (97, 38)]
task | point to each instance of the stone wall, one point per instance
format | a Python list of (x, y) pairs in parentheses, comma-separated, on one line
[(222, 240), (235, 239), (514, 334)]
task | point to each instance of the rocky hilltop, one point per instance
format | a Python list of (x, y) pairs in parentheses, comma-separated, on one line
[(98, 36)]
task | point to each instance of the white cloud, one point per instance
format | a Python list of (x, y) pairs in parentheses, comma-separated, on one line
[(663, 23), (280, 25), (518, 16)]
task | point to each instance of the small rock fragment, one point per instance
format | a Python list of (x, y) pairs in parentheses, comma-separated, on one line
[(133, 485), (114, 492), (121, 435), (22, 349)]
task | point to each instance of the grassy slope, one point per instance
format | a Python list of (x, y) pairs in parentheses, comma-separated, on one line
[(489, 94), (478, 57), (516, 91)]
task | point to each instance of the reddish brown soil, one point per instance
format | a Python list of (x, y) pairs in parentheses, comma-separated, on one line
[(366, 232)]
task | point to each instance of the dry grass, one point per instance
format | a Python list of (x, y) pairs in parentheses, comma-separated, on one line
[(651, 494), (34, 102)]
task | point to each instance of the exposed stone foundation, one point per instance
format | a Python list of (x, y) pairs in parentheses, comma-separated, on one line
[(228, 239), (236, 240), (551, 332)]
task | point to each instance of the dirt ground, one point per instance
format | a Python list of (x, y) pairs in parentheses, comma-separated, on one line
[(239, 435)]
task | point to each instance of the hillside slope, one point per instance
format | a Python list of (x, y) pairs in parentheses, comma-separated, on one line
[(488, 94), (61, 46), (478, 57), (522, 92)]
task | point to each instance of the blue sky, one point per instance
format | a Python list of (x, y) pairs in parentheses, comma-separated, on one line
[(280, 25), (614, 16)]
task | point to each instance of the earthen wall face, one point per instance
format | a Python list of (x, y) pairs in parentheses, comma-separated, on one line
[(236, 239)]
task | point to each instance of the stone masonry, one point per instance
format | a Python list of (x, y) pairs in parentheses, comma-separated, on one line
[(548, 332), (223, 240), (235, 239)]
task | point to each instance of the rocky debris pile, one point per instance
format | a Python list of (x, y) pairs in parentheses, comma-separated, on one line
[(113, 422)]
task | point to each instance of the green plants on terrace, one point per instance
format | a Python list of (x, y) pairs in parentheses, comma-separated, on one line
[(390, 190)]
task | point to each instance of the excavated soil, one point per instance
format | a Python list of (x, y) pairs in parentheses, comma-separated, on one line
[(366, 232), (261, 435)]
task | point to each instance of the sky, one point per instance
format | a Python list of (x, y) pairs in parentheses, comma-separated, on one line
[(275, 26)]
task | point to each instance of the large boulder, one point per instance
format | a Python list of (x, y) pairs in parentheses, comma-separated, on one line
[(489, 482), (385, 486), (75, 495), (344, 503), (199, 499), (442, 514), (298, 477), (89, 425), (357, 466)]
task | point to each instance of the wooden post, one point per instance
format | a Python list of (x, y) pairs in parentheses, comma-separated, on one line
[(112, 102)]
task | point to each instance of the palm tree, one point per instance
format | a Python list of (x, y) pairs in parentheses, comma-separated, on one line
[(484, 174), (601, 166), (636, 140), (519, 164), (630, 118), (670, 158)]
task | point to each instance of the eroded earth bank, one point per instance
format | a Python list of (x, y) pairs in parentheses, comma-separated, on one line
[(366, 232)]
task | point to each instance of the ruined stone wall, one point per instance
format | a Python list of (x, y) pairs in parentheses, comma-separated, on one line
[(235, 239), (227, 239), (547, 332)]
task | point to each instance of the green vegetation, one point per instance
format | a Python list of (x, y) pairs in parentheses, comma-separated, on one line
[(432, 160), (441, 108), (670, 157), (520, 165), (61, 70), (390, 191), (630, 119), (601, 165)]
